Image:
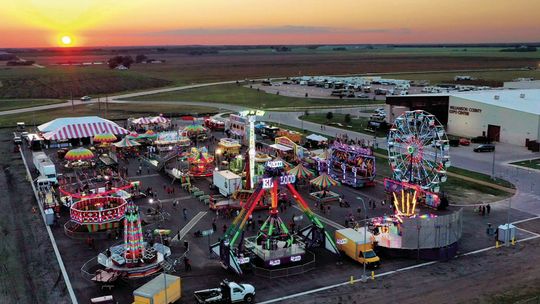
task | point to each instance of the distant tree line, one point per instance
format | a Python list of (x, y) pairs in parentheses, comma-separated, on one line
[(521, 48)]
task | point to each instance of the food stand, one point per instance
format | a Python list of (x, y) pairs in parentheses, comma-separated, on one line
[(229, 146)]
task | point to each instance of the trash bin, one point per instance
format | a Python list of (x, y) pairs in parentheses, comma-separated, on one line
[(49, 216)]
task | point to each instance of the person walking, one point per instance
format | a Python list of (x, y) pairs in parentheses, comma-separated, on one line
[(187, 264), (488, 209), (184, 212)]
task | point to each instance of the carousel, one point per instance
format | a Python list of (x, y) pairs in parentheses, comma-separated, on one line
[(79, 158), (200, 162), (323, 195)]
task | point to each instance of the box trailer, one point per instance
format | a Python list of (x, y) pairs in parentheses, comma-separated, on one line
[(354, 244), (227, 182), (163, 289)]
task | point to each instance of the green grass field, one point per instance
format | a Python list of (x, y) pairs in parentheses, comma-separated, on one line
[(11, 104), (113, 111), (356, 124), (531, 163), (242, 96)]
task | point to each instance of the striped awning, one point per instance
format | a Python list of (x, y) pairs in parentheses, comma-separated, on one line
[(81, 130), (159, 119)]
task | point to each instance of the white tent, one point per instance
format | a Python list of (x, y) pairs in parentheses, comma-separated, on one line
[(317, 138)]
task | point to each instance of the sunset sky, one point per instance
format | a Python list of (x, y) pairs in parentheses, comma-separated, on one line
[(29, 23)]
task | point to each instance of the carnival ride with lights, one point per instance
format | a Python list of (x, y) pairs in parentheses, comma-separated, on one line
[(274, 245), (352, 165), (134, 258), (418, 150), (418, 156), (200, 162)]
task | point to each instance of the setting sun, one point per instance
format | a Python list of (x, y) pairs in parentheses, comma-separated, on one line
[(66, 40)]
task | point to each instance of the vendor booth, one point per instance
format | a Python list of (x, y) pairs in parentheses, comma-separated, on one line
[(294, 136), (287, 148), (229, 146)]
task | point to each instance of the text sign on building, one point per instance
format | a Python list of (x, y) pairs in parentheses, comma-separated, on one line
[(274, 164), (463, 110)]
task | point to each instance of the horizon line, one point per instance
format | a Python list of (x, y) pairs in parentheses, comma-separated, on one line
[(440, 44)]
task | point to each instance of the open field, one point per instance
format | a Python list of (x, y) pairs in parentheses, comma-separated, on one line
[(182, 68), (111, 111), (531, 163), (239, 95), (64, 82), (26, 103)]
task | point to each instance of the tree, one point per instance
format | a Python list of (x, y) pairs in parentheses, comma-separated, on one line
[(329, 115), (347, 118), (120, 60), (140, 58)]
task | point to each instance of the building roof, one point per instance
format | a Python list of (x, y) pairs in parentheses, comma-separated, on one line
[(510, 99), (79, 127)]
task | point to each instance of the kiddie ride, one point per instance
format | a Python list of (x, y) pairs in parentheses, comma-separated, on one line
[(274, 245)]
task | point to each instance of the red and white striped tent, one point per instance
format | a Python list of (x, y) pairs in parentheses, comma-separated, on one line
[(159, 119), (141, 121), (79, 127)]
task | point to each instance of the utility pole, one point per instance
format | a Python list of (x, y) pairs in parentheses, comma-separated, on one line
[(72, 103)]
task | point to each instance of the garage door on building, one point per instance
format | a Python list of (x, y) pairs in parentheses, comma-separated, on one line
[(494, 133)]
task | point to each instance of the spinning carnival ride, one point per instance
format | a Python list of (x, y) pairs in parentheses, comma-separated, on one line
[(274, 245), (418, 150)]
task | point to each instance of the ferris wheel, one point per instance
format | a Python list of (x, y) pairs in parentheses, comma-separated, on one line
[(418, 150)]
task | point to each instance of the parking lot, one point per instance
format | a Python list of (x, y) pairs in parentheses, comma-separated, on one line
[(296, 90)]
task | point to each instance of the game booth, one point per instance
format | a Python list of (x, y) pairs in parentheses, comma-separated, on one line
[(238, 126), (168, 141), (229, 146), (352, 165), (287, 149)]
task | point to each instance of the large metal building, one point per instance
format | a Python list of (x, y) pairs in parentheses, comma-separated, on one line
[(508, 116)]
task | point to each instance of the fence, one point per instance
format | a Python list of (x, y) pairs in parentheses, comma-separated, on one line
[(285, 272)]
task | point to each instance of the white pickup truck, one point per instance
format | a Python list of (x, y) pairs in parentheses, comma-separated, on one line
[(228, 292)]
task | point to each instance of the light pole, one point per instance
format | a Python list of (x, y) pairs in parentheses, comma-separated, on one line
[(493, 166), (364, 277)]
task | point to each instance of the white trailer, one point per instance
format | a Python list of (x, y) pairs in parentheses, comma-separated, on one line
[(227, 182), (45, 167)]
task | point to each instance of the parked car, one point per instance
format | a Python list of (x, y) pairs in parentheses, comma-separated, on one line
[(464, 141), (485, 148)]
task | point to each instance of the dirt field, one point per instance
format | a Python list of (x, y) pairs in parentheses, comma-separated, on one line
[(29, 272), (505, 275)]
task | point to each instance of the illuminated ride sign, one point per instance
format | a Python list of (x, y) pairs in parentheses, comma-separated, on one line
[(268, 182)]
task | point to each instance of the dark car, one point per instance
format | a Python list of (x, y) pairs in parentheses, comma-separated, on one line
[(485, 148)]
